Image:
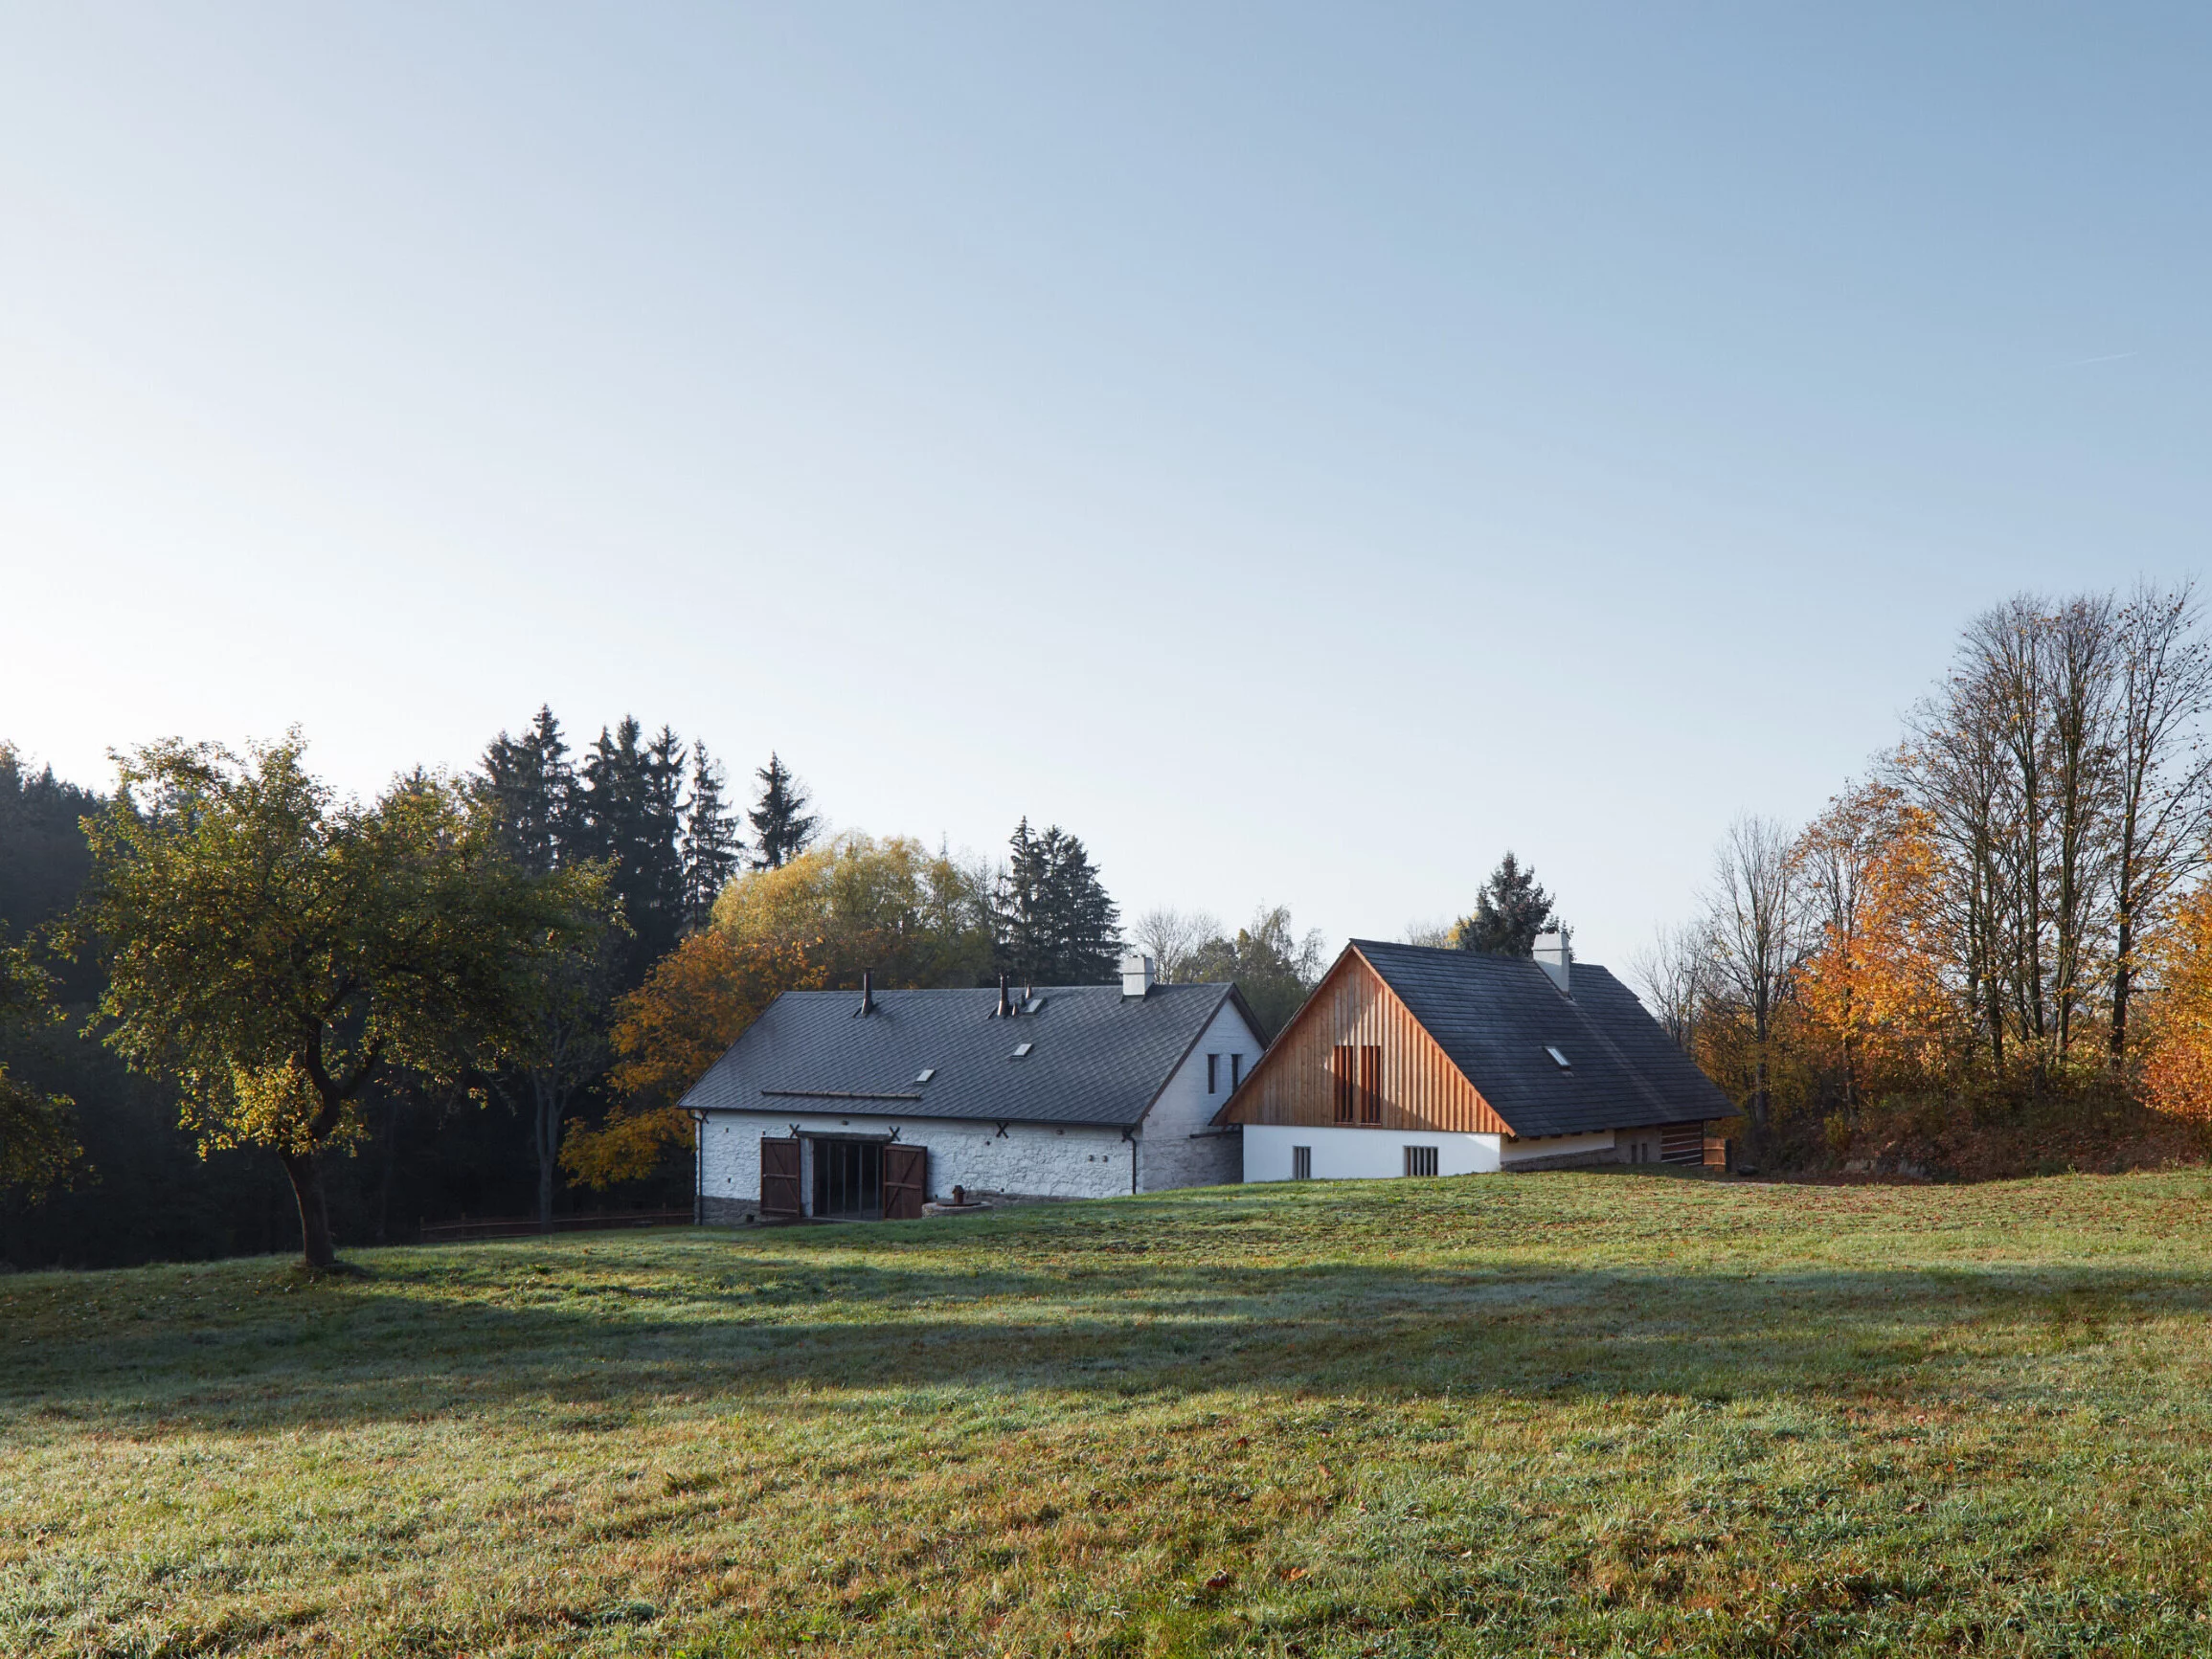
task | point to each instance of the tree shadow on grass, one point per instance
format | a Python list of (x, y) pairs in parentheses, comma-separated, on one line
[(405, 1346)]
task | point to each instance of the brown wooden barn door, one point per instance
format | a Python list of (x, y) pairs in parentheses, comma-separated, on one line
[(779, 1176), (905, 1181)]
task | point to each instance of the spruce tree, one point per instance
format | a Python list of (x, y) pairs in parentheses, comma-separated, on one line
[(1510, 911), (711, 847), (532, 789), (1054, 922), (632, 816), (781, 826)]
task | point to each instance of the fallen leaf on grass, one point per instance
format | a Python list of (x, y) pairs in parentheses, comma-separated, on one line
[(1242, 1440), (1292, 1574), (1221, 1580)]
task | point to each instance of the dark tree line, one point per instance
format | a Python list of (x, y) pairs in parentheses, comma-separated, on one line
[(652, 810)]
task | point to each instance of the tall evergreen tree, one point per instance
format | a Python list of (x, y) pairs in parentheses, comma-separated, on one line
[(713, 849), (1510, 911), (632, 816), (1055, 924), (531, 789), (781, 826)]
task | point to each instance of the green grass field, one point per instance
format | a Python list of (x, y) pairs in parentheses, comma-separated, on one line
[(1610, 1413)]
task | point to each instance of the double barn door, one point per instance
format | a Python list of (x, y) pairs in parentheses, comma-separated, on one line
[(856, 1180)]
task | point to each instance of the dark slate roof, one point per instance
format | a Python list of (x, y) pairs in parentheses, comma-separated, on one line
[(1098, 1057), (1496, 1015)]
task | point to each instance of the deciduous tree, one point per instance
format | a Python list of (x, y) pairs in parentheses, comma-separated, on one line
[(697, 1001), (1274, 968), (37, 1142), (916, 918), (276, 949)]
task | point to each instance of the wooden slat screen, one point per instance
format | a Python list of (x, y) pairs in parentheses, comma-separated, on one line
[(1370, 1082), (1342, 1064)]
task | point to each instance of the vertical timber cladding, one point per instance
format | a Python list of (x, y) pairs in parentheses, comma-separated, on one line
[(1407, 1083)]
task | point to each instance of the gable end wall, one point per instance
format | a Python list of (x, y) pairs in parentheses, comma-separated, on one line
[(1422, 1088)]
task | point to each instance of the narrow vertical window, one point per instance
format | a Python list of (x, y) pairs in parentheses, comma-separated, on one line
[(1302, 1163), (1370, 1084), (1235, 1071), (1212, 1073), (1342, 1063), (1420, 1160)]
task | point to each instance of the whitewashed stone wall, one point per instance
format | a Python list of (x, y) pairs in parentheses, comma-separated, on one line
[(1036, 1160), (1168, 1155)]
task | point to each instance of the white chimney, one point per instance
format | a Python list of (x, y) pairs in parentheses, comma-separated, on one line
[(1136, 973), (1552, 956)]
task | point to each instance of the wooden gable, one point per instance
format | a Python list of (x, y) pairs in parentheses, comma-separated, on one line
[(1296, 1081)]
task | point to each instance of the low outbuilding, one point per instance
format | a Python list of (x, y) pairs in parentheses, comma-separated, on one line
[(1409, 1061), (838, 1105)]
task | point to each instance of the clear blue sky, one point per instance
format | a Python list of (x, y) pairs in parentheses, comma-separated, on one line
[(1303, 451)]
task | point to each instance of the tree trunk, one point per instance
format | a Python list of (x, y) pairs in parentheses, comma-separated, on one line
[(315, 1246), (2122, 984), (547, 1137)]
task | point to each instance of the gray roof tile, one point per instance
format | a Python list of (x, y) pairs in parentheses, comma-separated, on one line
[(1497, 1015), (1097, 1056)]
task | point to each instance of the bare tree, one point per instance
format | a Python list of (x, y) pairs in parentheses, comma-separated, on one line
[(1171, 938), (1434, 936), (1674, 976), (1752, 922), (2081, 646), (2163, 805)]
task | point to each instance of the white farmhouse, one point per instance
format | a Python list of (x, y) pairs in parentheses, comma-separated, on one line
[(838, 1105)]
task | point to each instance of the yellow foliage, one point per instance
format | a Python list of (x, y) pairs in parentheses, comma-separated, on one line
[(1871, 987), (2178, 1070), (697, 1001), (915, 917)]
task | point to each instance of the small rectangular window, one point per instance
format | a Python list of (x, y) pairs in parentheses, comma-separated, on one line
[(1302, 1163), (1212, 1073), (1341, 1063), (1235, 1071), (1420, 1160), (1370, 1084)]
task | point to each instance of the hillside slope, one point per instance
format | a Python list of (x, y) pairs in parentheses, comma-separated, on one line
[(1614, 1411)]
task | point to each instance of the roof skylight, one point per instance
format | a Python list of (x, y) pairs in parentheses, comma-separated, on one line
[(1022, 1049), (925, 1074), (1565, 1063)]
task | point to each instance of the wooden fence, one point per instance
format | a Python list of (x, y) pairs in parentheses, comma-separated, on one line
[(523, 1227)]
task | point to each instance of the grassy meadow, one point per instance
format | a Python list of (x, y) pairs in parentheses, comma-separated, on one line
[(1621, 1412)]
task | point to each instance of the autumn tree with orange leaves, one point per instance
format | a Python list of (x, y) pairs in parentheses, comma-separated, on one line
[(1869, 985), (696, 1001)]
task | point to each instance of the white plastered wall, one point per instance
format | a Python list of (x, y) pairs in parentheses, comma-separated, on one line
[(1040, 1160), (1178, 1145), (1345, 1155)]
